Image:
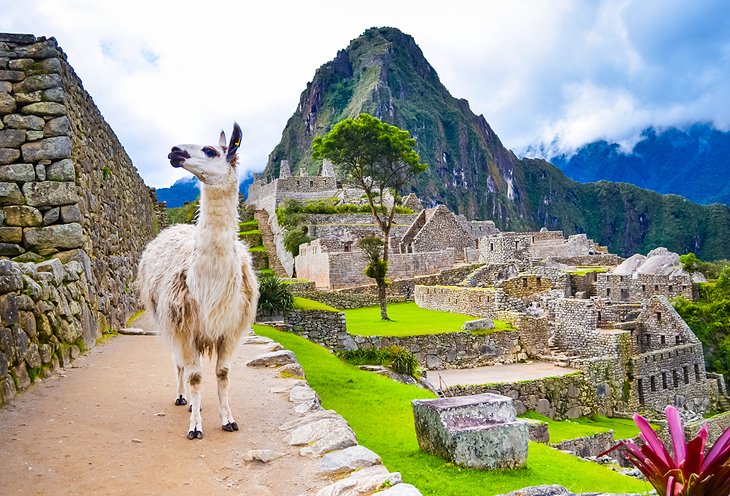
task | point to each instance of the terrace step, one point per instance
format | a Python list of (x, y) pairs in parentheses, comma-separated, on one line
[(262, 217)]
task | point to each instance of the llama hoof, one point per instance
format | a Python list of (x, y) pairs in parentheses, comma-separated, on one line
[(195, 434), (181, 401), (230, 427)]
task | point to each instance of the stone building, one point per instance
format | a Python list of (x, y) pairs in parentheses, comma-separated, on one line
[(658, 273), (74, 214)]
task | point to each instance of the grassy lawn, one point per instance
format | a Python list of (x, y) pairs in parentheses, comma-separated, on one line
[(255, 249), (253, 231), (307, 304), (379, 411), (581, 271), (561, 430), (408, 319)]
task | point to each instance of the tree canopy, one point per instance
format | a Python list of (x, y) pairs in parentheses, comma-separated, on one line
[(378, 158)]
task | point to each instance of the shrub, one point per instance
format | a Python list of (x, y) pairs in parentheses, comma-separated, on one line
[(293, 238), (274, 295), (396, 358)]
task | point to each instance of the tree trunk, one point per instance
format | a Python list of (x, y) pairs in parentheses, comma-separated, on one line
[(382, 296), (383, 300)]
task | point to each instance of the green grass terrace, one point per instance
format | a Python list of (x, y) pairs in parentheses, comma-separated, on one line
[(408, 319), (379, 411)]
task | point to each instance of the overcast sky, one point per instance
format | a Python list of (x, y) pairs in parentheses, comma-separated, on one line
[(544, 73)]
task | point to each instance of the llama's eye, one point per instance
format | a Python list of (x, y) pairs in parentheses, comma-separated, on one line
[(210, 152)]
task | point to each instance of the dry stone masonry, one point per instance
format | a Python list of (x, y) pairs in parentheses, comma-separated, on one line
[(70, 199)]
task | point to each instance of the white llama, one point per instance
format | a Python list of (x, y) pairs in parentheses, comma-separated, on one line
[(197, 281)]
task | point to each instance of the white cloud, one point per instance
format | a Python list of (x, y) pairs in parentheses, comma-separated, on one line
[(561, 72)]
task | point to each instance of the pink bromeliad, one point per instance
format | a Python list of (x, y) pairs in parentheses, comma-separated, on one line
[(689, 472)]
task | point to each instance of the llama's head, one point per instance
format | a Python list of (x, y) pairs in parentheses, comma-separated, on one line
[(213, 165)]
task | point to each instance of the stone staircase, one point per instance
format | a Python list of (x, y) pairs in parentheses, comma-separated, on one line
[(723, 403), (267, 237)]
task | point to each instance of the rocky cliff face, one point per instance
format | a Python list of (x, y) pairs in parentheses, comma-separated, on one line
[(384, 73)]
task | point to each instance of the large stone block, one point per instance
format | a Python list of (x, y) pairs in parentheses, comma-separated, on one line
[(59, 126), (50, 194), (62, 237), (61, 171), (479, 431), (56, 148), (11, 138), (11, 234), (38, 82), (9, 155), (7, 103), (44, 108), (17, 172), (16, 121)]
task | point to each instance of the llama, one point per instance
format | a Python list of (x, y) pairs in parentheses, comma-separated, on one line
[(197, 280)]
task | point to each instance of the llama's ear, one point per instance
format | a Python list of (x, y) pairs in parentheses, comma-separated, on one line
[(236, 138), (222, 140)]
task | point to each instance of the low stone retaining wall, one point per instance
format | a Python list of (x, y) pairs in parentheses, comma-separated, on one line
[(568, 396), (46, 320), (481, 302), (434, 351), (587, 446)]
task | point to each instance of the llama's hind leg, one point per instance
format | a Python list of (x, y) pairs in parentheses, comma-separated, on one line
[(181, 393), (194, 377), (222, 367)]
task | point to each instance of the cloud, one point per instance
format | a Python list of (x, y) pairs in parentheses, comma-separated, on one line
[(542, 72)]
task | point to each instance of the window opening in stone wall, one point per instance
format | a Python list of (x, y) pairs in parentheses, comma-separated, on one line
[(656, 287), (538, 280), (675, 376), (297, 183), (664, 380), (677, 340), (659, 316), (533, 239), (643, 288), (647, 339), (653, 383), (697, 371), (311, 184), (663, 339), (624, 294), (491, 246), (640, 389), (517, 244), (608, 291), (524, 282), (686, 374), (670, 287), (684, 288), (599, 316), (347, 246)]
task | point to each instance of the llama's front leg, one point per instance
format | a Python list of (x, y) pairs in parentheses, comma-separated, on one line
[(222, 367), (194, 378)]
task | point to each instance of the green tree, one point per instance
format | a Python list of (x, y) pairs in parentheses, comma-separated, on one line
[(376, 157)]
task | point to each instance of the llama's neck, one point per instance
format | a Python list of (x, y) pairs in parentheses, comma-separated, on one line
[(217, 220)]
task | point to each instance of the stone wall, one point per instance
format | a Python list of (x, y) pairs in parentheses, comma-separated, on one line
[(68, 183), (568, 396), (596, 260), (525, 285), (587, 446), (68, 193), (617, 287), (346, 300), (47, 320), (671, 377), (555, 245), (441, 230), (480, 302), (346, 269)]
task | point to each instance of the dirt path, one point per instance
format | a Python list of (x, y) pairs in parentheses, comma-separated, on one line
[(108, 426)]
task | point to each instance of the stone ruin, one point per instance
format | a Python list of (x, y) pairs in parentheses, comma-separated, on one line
[(479, 431), (74, 215)]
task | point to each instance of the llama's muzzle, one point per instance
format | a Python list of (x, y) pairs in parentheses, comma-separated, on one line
[(177, 156)]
